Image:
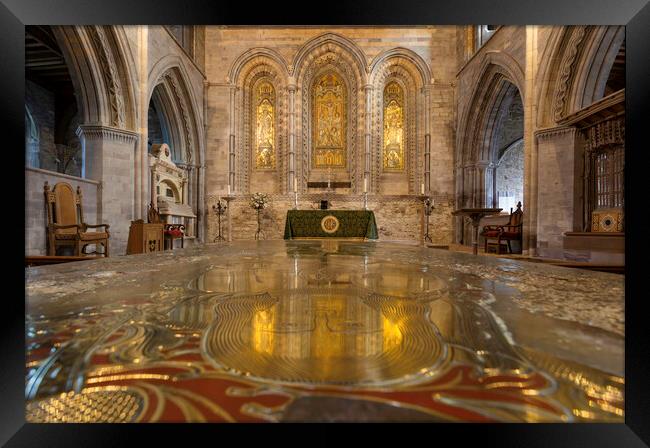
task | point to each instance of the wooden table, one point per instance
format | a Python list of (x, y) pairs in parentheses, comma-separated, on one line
[(476, 214)]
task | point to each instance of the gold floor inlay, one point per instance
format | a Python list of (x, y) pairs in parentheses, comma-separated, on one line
[(323, 330)]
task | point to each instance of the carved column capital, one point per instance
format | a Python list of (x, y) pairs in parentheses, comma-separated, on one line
[(97, 132)]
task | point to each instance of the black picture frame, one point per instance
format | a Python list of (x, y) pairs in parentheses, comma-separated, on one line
[(635, 14)]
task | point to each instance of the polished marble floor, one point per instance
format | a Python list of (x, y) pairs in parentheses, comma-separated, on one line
[(322, 331)]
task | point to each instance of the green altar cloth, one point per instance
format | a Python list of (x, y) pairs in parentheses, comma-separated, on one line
[(352, 224)]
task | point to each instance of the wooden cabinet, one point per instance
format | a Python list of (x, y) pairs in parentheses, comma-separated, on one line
[(145, 238)]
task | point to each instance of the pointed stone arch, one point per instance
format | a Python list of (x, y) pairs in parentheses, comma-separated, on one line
[(330, 52), (325, 43), (249, 70), (580, 58), (407, 69), (101, 73)]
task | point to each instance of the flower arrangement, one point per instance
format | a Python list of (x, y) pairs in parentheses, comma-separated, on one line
[(259, 201)]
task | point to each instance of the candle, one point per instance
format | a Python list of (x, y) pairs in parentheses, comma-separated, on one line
[(365, 185), (228, 189), (422, 189), (295, 184)]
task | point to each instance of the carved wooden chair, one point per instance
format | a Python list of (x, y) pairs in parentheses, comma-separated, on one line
[(171, 232), (65, 221), (505, 233)]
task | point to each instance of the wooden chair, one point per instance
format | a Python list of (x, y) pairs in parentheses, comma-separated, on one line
[(65, 221), (508, 232), (171, 232)]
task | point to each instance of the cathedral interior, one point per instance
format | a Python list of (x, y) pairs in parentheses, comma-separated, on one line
[(309, 223)]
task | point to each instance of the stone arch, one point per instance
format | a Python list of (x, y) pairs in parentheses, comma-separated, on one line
[(169, 84), (493, 84), (329, 52), (401, 56), (252, 69), (169, 78), (253, 57), (326, 43), (99, 66), (402, 66), (580, 58), (499, 80)]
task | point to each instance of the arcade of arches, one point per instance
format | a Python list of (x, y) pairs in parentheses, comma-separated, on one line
[(379, 122), (470, 116)]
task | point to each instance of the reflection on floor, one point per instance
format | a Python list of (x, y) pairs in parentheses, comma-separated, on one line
[(322, 331)]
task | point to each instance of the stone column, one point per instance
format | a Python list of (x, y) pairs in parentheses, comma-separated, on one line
[(231, 141), (427, 138), (368, 130), (292, 136), (556, 194), (490, 178), (110, 160)]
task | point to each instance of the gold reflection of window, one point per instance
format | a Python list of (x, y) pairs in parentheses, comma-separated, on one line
[(264, 126), (393, 127), (329, 120)]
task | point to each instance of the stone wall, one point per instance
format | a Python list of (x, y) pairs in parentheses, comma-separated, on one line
[(510, 176), (35, 213), (40, 103), (398, 217), (436, 45)]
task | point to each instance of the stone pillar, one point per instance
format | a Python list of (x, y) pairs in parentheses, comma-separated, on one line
[(141, 168), (427, 138), (110, 160), (292, 136), (231, 141), (556, 196), (482, 184), (367, 142), (489, 189)]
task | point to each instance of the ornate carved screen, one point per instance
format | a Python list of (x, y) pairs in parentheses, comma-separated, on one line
[(393, 153), (264, 126), (329, 122)]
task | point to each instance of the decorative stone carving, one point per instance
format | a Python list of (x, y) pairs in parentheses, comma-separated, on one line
[(605, 133), (567, 71), (187, 127), (110, 75)]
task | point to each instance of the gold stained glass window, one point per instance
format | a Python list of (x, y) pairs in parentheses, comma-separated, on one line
[(264, 126), (329, 121), (393, 127)]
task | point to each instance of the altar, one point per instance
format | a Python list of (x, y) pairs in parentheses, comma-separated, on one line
[(330, 224)]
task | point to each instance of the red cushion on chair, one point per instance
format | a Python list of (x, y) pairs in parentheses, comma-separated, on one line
[(491, 234), (176, 233)]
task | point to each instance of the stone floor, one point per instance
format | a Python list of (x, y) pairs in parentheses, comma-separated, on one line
[(322, 331)]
